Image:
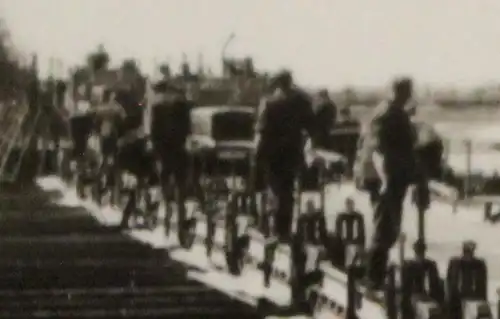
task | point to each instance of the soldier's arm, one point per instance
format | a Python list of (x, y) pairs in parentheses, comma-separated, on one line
[(367, 144), (406, 280), (375, 133), (154, 133), (437, 291), (260, 121), (360, 219), (482, 279), (260, 116), (331, 116), (147, 118), (323, 230), (452, 276), (339, 220), (308, 117), (111, 108), (334, 113)]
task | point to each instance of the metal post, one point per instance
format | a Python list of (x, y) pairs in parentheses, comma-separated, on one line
[(421, 224), (322, 185), (352, 294), (468, 169), (446, 152), (229, 39), (498, 303), (402, 243), (391, 307)]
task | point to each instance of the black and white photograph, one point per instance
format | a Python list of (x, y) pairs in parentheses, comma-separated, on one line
[(250, 159)]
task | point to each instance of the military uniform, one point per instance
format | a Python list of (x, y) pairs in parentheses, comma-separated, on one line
[(81, 124), (170, 128), (133, 155), (389, 143), (281, 122), (325, 119)]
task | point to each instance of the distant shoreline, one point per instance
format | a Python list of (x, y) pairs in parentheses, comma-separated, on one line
[(434, 113)]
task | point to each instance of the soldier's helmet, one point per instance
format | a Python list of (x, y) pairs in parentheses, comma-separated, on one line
[(349, 202), (419, 247), (469, 246), (402, 85), (282, 79), (323, 93)]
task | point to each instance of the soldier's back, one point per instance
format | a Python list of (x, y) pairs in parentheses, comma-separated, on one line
[(285, 116), (171, 121)]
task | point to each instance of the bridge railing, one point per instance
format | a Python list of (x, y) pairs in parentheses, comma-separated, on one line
[(475, 165), (13, 118)]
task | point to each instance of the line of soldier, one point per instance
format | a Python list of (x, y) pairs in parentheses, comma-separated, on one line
[(287, 112)]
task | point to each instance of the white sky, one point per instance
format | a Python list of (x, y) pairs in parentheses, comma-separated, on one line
[(325, 42)]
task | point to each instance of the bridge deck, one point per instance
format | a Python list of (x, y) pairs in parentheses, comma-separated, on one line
[(445, 232)]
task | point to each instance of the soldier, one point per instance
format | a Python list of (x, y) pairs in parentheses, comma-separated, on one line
[(420, 277), (325, 115), (107, 124), (467, 274), (170, 127), (350, 224), (350, 229), (429, 151), (466, 279), (280, 125), (81, 125), (391, 141), (325, 118), (134, 154), (348, 129)]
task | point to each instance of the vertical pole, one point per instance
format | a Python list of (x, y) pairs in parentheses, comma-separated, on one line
[(351, 293), (446, 151), (498, 303), (468, 168), (421, 223), (402, 243), (391, 293), (322, 185)]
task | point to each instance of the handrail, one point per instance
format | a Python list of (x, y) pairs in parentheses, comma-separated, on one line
[(12, 141), (25, 147)]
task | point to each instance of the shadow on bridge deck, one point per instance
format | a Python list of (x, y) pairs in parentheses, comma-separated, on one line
[(58, 262)]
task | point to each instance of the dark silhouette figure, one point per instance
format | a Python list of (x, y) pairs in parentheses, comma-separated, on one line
[(281, 122), (325, 118), (467, 279), (420, 279), (170, 127), (394, 140)]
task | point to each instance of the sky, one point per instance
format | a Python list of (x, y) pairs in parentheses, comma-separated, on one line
[(332, 43)]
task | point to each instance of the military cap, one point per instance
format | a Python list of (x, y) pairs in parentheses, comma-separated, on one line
[(402, 84), (469, 245), (283, 77), (419, 246)]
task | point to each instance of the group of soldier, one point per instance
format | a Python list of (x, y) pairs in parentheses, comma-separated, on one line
[(139, 140)]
